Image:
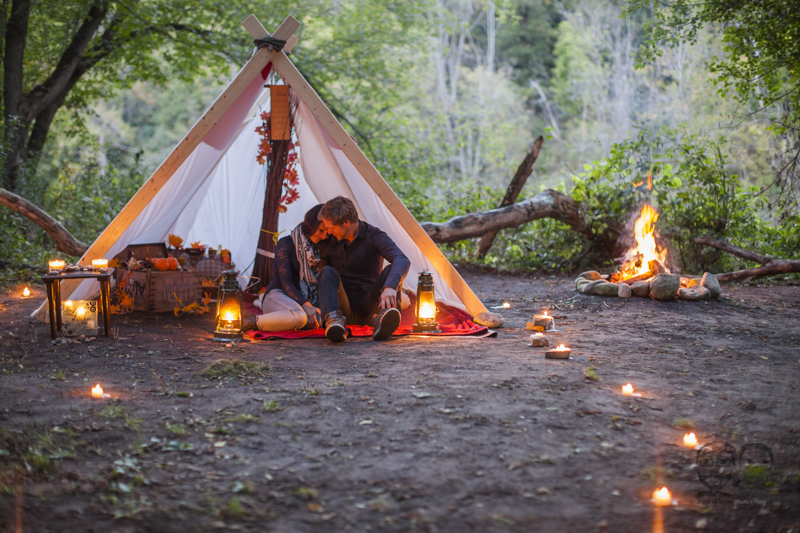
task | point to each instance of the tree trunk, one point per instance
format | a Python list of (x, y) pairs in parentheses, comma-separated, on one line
[(770, 266), (64, 240), (547, 204), (514, 188)]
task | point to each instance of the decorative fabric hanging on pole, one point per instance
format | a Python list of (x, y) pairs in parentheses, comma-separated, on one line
[(278, 153)]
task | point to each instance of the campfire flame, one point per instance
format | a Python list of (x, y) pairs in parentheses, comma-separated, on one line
[(638, 261)]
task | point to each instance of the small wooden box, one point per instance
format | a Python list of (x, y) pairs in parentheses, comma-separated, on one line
[(143, 251), (156, 291)]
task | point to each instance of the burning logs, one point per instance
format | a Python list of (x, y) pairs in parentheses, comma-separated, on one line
[(662, 286)]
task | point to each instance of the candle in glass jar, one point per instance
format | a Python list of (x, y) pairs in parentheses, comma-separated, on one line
[(56, 264), (100, 263)]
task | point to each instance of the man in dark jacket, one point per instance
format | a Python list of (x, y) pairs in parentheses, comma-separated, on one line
[(370, 290)]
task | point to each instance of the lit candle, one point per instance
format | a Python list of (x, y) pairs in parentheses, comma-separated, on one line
[(506, 305), (97, 391), (541, 322), (560, 352), (57, 264), (100, 263), (662, 497), (26, 292), (427, 310), (544, 314), (80, 312), (68, 304), (690, 440), (627, 390)]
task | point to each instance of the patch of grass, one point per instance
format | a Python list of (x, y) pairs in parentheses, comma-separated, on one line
[(271, 406), (590, 373), (683, 423), (234, 510), (656, 473), (59, 376), (133, 423), (236, 368), (244, 417), (36, 453), (759, 474), (175, 429), (306, 493), (113, 410)]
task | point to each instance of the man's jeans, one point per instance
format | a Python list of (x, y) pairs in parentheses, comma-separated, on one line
[(358, 307)]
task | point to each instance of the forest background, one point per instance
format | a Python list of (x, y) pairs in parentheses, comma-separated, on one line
[(445, 97)]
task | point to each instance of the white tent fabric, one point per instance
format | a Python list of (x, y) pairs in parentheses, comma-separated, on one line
[(216, 196)]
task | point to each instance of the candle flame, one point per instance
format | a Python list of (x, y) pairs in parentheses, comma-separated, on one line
[(627, 390), (97, 391), (80, 312), (690, 440), (229, 316), (662, 496), (545, 314), (562, 347), (57, 264), (427, 310), (540, 334), (26, 292), (68, 303), (506, 305)]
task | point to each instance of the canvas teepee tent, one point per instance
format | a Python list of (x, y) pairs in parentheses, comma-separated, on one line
[(211, 188)]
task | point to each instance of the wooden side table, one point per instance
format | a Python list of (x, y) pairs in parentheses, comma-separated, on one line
[(53, 283)]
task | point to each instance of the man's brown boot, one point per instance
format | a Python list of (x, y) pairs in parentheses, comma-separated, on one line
[(335, 326), (386, 322)]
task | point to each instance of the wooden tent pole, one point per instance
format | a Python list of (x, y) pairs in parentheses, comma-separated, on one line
[(371, 175)]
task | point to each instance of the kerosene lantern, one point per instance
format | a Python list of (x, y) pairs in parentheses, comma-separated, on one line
[(228, 326), (426, 305)]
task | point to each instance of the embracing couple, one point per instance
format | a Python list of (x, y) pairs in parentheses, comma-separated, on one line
[(330, 273)]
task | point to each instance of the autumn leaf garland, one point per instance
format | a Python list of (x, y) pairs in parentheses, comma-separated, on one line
[(290, 178)]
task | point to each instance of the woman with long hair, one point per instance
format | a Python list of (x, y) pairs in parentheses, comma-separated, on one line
[(291, 300)]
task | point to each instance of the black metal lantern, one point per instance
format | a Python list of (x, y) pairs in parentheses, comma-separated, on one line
[(228, 325), (426, 305)]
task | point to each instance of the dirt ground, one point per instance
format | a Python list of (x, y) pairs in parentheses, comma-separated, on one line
[(414, 434)]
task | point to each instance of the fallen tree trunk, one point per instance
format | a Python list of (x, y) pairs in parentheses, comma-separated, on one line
[(546, 204), (64, 240), (769, 265), (514, 188)]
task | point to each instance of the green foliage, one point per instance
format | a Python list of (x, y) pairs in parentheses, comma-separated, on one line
[(235, 368)]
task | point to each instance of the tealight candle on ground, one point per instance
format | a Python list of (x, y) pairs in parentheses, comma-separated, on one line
[(56, 264), (690, 440), (560, 352), (26, 292), (100, 263), (97, 391), (627, 390), (538, 340), (662, 497), (506, 305), (544, 320)]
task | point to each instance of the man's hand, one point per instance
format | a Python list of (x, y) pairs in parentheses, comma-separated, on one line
[(314, 314), (388, 298)]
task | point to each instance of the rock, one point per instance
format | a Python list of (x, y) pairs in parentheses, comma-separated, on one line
[(641, 288), (624, 291), (489, 319), (689, 294), (705, 294), (589, 287), (591, 275), (606, 289), (539, 340), (579, 282), (711, 283), (665, 286)]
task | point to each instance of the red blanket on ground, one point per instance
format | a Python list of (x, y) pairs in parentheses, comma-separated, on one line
[(452, 321)]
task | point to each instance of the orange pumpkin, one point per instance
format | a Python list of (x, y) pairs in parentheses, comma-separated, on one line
[(173, 263), (161, 263)]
